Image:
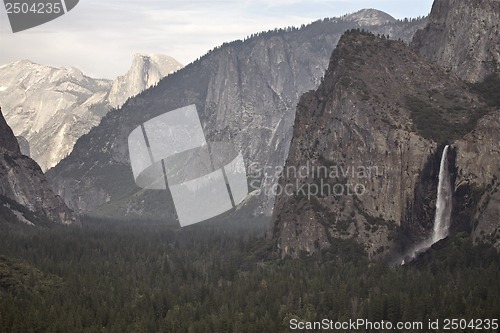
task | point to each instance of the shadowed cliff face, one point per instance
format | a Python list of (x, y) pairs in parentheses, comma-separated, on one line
[(25, 195), (380, 106), (245, 93), (478, 180), (463, 36), (8, 141)]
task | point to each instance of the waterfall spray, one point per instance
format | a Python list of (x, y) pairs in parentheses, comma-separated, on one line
[(443, 201)]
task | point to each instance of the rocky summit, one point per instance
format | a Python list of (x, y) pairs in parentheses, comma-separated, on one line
[(369, 141), (370, 17), (25, 195), (146, 71)]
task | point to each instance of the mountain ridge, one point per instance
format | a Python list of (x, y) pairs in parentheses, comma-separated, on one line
[(243, 90)]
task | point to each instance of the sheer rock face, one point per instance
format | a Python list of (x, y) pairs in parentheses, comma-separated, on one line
[(245, 92), (361, 117), (22, 184), (146, 71), (478, 166), (356, 119), (463, 36)]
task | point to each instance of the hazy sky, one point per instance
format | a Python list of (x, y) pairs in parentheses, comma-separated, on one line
[(101, 36)]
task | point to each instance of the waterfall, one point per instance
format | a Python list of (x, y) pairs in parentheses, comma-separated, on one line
[(442, 218), (443, 202)]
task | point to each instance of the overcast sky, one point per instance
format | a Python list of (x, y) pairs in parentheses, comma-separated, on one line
[(100, 37)]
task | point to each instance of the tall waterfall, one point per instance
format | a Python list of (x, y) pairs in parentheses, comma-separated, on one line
[(443, 202), (442, 218)]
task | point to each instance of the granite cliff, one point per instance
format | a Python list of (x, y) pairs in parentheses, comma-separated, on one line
[(463, 36), (378, 122)]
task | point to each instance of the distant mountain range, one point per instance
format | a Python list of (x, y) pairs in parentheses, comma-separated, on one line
[(53, 107), (386, 97)]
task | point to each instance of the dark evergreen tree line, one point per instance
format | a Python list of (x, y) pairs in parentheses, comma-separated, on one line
[(149, 277)]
